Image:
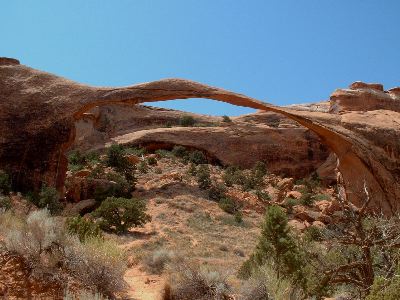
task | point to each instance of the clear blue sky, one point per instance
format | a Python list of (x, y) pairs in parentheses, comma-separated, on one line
[(277, 51)]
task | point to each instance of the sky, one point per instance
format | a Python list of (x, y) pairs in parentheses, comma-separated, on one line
[(281, 52)]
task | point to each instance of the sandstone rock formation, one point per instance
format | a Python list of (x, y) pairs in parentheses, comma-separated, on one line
[(38, 111), (294, 151)]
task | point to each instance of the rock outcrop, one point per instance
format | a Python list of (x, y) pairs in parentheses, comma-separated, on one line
[(287, 148), (38, 111)]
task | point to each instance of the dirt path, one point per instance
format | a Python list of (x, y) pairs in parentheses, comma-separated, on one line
[(143, 286)]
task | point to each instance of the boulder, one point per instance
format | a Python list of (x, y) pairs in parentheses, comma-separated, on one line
[(294, 194)]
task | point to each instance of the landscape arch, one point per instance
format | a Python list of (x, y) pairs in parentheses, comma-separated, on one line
[(38, 111)]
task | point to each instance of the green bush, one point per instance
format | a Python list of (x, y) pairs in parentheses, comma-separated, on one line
[(117, 160), (119, 214), (5, 182), (197, 157), (277, 244), (192, 169), (186, 121), (83, 228), (115, 157), (307, 199), (121, 188), (263, 196), (163, 153), (5, 202), (179, 151), (289, 203), (385, 289), (203, 177), (143, 167), (260, 169), (233, 175), (217, 192), (76, 161), (151, 161), (226, 119), (229, 205), (135, 151), (313, 233), (238, 217), (48, 197)]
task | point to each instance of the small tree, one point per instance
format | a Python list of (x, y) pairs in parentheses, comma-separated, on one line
[(203, 177), (226, 119), (119, 214), (187, 121), (83, 228), (277, 244), (5, 182), (117, 160)]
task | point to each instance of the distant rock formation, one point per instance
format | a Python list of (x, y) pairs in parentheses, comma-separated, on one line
[(38, 111), (288, 148)]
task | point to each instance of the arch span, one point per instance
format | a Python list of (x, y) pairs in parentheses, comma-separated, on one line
[(45, 106)]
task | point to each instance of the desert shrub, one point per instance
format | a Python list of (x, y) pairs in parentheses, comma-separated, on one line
[(76, 160), (5, 203), (386, 289), (265, 284), (313, 233), (5, 182), (121, 188), (157, 170), (203, 177), (226, 119), (229, 205), (163, 153), (216, 192), (83, 228), (238, 217), (277, 244), (45, 245), (179, 151), (92, 157), (98, 263), (143, 167), (233, 175), (48, 197), (320, 197), (260, 169), (156, 261), (138, 151), (193, 282), (119, 214), (186, 121), (197, 157), (83, 295), (289, 203), (151, 161), (39, 240), (307, 199), (263, 196), (115, 156), (192, 169), (117, 160)]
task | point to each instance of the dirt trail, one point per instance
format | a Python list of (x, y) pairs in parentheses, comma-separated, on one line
[(143, 286)]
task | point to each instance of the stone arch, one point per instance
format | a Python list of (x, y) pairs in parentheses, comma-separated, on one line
[(45, 107)]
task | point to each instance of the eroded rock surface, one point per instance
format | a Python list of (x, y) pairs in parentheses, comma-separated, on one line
[(38, 111), (288, 148)]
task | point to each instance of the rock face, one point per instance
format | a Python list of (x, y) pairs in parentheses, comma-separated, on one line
[(364, 97), (294, 151), (38, 111)]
